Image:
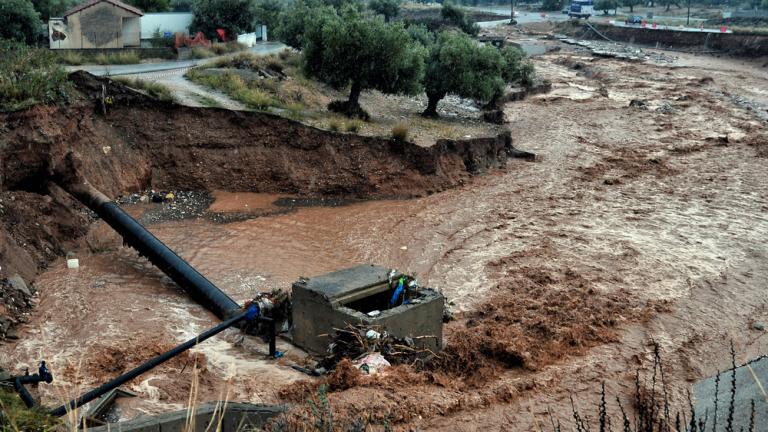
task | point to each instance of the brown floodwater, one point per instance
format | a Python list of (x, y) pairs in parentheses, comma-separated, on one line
[(658, 214)]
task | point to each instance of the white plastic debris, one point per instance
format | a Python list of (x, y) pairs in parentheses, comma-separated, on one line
[(374, 313), (73, 263), (372, 334), (372, 363), (403, 247)]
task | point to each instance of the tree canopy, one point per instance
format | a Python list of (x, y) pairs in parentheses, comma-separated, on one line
[(268, 12), (151, 5), (606, 5), (52, 8), (631, 4), (552, 5), (388, 8), (19, 21), (458, 65), (293, 22), (363, 53), (234, 16)]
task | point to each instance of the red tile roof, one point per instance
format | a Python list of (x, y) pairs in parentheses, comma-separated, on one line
[(117, 3)]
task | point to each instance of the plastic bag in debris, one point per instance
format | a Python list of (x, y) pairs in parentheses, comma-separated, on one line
[(372, 363)]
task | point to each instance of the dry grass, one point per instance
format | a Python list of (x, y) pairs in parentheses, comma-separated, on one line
[(156, 90), (400, 132)]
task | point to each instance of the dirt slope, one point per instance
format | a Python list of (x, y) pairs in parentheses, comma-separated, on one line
[(129, 142)]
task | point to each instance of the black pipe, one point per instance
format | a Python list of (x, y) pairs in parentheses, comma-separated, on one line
[(146, 366), (43, 375), (136, 236), (198, 287)]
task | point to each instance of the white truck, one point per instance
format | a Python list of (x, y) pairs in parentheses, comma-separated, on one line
[(581, 9)]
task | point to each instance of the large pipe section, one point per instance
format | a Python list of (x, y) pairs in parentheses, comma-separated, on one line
[(134, 234), (150, 364)]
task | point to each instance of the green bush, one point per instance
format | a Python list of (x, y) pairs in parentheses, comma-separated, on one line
[(19, 21), (29, 76), (246, 92), (17, 417), (334, 125)]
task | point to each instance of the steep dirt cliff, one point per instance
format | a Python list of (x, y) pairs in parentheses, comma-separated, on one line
[(128, 142)]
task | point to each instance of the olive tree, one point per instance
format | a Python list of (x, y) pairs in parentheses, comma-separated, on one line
[(606, 5), (234, 16), (362, 53), (631, 4), (458, 65), (19, 21), (388, 8), (294, 21)]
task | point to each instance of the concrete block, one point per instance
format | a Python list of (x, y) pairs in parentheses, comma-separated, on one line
[(343, 297)]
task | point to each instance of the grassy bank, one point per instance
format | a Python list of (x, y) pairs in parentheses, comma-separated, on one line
[(153, 89)]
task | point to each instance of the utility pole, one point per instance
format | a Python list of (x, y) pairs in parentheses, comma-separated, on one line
[(511, 12), (688, 20)]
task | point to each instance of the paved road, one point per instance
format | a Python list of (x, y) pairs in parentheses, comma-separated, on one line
[(145, 68), (522, 17)]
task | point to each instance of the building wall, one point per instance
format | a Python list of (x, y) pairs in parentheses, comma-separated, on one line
[(171, 22), (100, 26)]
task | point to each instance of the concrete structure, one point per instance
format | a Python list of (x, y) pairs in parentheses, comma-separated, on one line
[(165, 23), (751, 384), (96, 24), (237, 416), (343, 297), (250, 39)]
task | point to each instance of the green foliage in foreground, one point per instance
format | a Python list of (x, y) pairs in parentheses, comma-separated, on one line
[(16, 417), (29, 76)]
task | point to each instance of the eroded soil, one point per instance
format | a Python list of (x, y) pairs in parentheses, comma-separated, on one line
[(637, 225)]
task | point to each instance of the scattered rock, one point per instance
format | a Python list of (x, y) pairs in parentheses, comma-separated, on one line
[(735, 137), (666, 108), (17, 283), (637, 103), (760, 326), (99, 284)]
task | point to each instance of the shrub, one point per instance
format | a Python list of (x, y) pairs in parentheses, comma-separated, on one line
[(29, 76), (73, 58), (295, 110), (354, 126), (334, 125), (201, 53), (235, 87), (125, 57), (17, 417), (400, 132)]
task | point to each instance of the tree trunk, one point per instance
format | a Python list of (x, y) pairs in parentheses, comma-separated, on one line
[(432, 100), (354, 95), (668, 5), (631, 8)]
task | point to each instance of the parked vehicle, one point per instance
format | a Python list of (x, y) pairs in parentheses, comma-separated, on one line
[(581, 9), (633, 20)]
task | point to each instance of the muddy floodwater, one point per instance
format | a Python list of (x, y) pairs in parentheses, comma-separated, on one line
[(653, 201)]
